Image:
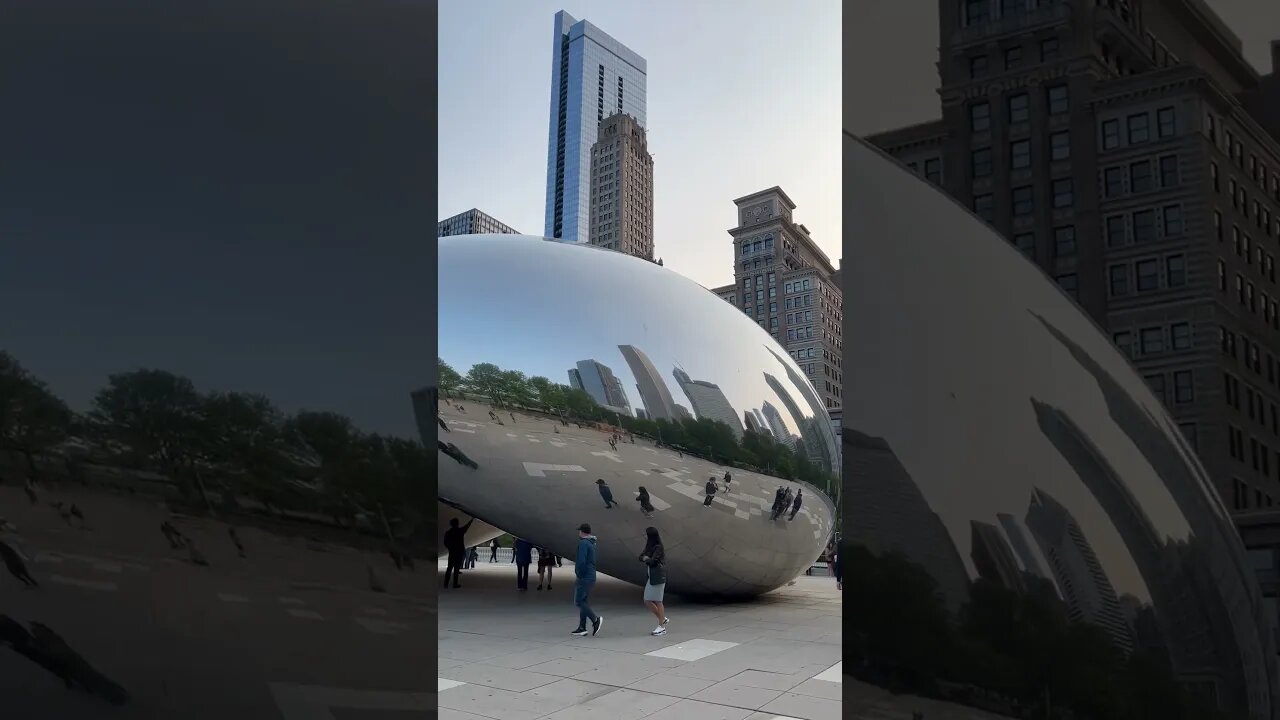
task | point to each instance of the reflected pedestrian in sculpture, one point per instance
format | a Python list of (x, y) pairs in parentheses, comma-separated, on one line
[(546, 564), (711, 492), (522, 555), (455, 543), (645, 506), (584, 568), (655, 557), (778, 505), (16, 565), (493, 550), (606, 493), (795, 505), (727, 479), (473, 555)]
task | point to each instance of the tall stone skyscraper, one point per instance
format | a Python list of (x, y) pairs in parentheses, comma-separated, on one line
[(1132, 152), (622, 188), (784, 281), (592, 77)]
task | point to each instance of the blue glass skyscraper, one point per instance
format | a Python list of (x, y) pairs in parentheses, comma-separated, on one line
[(592, 77)]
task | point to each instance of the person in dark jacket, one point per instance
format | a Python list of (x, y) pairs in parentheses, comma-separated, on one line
[(493, 550), (655, 557), (646, 506), (606, 493), (711, 492), (547, 565), (778, 507), (584, 567), (837, 568), (523, 553), (455, 542), (795, 505)]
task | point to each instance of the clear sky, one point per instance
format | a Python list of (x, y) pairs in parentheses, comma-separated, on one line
[(742, 96)]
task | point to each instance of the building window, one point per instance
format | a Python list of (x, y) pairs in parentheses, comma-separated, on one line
[(1172, 220), (1144, 226), (1116, 235), (1048, 49), (1012, 58), (1139, 128), (1189, 432), (1118, 275), (1020, 154), (1148, 272), (982, 162), (1110, 134), (1070, 284), (1025, 242), (1213, 177), (1183, 388), (1060, 146), (1217, 225), (1175, 271), (1166, 122), (1058, 100), (984, 207), (1113, 182), (1168, 171), (1064, 241), (1156, 383), (1140, 179), (1222, 276), (1019, 108), (1181, 334), (933, 170), (1151, 341), (976, 12), (1063, 197), (1124, 343), (980, 116), (1022, 201), (978, 66)]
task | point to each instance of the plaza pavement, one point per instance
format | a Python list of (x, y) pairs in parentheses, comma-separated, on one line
[(293, 632), (508, 655)]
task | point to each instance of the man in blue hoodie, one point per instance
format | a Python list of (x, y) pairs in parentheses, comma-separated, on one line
[(584, 567)]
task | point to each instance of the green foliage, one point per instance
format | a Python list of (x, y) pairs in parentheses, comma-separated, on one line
[(1018, 646), (32, 418), (239, 443), (708, 438)]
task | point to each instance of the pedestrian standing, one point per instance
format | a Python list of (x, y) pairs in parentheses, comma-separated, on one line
[(711, 492), (795, 505), (837, 568), (655, 558), (606, 493), (546, 563), (455, 542), (584, 568), (646, 506), (493, 550), (522, 553), (473, 555)]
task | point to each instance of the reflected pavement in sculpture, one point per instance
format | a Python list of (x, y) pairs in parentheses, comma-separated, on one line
[(1025, 525), (561, 365)]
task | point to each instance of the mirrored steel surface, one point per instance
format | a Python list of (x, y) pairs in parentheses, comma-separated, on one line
[(548, 350), (1026, 528)]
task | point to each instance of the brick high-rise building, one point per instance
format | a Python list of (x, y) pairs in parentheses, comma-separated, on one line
[(785, 282), (1124, 147), (622, 188)]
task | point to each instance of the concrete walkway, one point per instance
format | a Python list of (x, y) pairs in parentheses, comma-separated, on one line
[(508, 655)]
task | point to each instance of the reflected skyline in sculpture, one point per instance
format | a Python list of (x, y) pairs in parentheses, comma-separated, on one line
[(1016, 492), (649, 402)]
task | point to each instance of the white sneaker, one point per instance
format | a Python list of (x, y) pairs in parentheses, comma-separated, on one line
[(660, 630)]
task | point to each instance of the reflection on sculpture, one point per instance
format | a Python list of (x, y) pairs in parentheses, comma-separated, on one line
[(1028, 531), (667, 387)]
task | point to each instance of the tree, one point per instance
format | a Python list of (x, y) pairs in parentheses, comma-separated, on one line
[(155, 416), (486, 379), (248, 440), (448, 379), (32, 418)]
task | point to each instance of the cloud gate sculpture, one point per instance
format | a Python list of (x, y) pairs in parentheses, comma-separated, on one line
[(1025, 525), (563, 365)]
